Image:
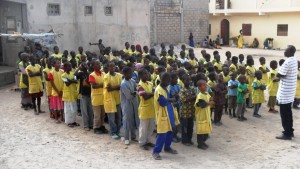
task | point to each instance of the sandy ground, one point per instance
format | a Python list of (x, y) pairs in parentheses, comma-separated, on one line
[(34, 142)]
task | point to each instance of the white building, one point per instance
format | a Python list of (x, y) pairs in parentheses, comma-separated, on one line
[(278, 19)]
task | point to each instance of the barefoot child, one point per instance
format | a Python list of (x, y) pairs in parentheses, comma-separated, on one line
[(112, 107), (219, 99), (129, 106), (258, 96), (56, 103), (202, 115), (146, 110), (165, 117), (187, 99), (264, 69), (273, 86), (69, 95), (241, 98), (34, 72), (46, 72), (232, 94)]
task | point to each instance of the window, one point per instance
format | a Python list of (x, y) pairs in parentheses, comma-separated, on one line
[(209, 29), (88, 10), (53, 9), (247, 29), (282, 30), (108, 11)]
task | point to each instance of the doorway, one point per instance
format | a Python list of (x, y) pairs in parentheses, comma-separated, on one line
[(225, 31)]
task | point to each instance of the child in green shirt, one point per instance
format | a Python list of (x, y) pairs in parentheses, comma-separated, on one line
[(241, 100)]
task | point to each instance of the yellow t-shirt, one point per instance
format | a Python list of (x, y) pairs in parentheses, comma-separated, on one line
[(79, 55), (232, 68), (57, 80), (35, 83), (226, 78), (127, 50), (273, 86), (250, 73), (22, 85), (264, 75), (135, 52), (112, 98), (193, 62), (69, 92), (59, 55), (297, 94), (258, 95), (219, 66), (146, 107), (48, 83), (97, 94), (202, 115)]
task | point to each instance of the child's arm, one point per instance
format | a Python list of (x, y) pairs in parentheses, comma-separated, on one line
[(31, 74), (144, 94), (93, 83), (202, 103), (262, 70), (126, 91), (255, 86), (46, 76), (274, 78)]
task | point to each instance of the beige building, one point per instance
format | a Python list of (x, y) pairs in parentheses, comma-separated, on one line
[(261, 19)]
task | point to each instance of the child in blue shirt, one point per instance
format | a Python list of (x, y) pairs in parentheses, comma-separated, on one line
[(232, 94)]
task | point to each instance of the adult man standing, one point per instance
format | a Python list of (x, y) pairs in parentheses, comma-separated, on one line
[(287, 88)]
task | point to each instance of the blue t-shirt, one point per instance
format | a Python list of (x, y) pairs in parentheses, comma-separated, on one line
[(232, 92), (175, 89)]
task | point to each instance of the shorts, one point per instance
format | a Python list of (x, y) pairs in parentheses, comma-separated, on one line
[(232, 102)]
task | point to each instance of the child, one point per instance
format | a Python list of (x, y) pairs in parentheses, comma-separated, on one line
[(273, 86), (202, 115), (241, 59), (146, 110), (165, 117), (250, 74), (241, 101), (69, 95), (226, 78), (264, 69), (219, 99), (34, 72), (174, 92), (96, 79), (111, 96), (218, 65), (82, 75), (228, 60), (129, 105), (183, 58), (187, 112), (26, 98), (297, 94), (56, 103), (234, 65), (46, 72), (56, 53), (232, 94), (258, 96)]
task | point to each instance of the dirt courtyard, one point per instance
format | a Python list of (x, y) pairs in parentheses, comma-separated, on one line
[(36, 142)]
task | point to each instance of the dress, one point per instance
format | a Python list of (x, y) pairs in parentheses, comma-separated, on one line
[(240, 41)]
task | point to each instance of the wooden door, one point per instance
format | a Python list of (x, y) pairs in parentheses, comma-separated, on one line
[(225, 31)]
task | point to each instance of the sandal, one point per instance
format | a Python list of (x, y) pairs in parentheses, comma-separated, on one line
[(75, 124), (171, 151), (71, 125)]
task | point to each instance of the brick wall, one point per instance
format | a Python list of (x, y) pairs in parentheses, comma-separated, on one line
[(168, 28)]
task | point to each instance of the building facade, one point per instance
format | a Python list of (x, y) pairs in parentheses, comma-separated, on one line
[(144, 22), (259, 19)]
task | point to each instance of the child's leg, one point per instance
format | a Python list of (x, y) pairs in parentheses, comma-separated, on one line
[(78, 107), (190, 125), (34, 103), (112, 123), (39, 104), (84, 111), (226, 105), (239, 110), (220, 113), (168, 140), (243, 109), (184, 130), (233, 105), (151, 127), (97, 117), (143, 129), (160, 141), (119, 118), (200, 141)]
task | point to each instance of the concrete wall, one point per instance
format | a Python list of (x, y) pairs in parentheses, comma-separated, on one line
[(262, 27), (128, 23)]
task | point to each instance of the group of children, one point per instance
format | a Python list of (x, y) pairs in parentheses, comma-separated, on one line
[(138, 89)]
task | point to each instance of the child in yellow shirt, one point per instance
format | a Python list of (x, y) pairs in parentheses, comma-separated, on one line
[(34, 72), (203, 115), (297, 94), (69, 95), (258, 96), (273, 86), (264, 69), (46, 72)]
